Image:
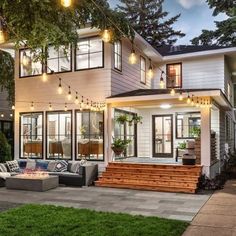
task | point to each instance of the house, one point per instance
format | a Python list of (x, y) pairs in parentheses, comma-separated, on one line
[(196, 93)]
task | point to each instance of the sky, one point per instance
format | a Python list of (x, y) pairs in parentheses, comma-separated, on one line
[(195, 16)]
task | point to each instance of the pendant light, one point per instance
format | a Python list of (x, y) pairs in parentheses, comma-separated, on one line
[(150, 72), (69, 96), (59, 90), (188, 99), (106, 36), (181, 96), (172, 92), (132, 56), (66, 3), (162, 83)]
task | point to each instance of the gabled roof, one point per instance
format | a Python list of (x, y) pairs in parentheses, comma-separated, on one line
[(168, 50)]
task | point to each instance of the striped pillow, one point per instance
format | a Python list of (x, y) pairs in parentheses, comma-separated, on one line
[(61, 166), (3, 168)]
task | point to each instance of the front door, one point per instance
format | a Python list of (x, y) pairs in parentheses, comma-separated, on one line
[(162, 135)]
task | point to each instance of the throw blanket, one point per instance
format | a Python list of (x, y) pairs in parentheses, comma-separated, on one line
[(4, 175)]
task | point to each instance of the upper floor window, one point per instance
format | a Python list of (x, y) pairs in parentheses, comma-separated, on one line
[(59, 60), (118, 55), (89, 53), (143, 70), (29, 65), (174, 75)]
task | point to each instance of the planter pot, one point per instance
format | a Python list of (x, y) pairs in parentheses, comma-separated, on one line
[(189, 159), (118, 151)]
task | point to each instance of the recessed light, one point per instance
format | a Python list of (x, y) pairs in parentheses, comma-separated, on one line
[(165, 106)]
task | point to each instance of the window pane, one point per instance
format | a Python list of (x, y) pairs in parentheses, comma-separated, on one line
[(188, 125), (82, 47), (31, 136), (174, 75), (28, 64), (95, 45), (96, 60), (82, 62), (89, 135), (59, 135), (143, 69), (117, 55)]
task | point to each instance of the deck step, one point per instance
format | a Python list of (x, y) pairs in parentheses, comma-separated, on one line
[(170, 178)]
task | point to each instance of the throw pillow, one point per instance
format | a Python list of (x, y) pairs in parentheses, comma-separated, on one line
[(74, 168), (61, 166), (41, 165), (31, 164), (51, 166), (3, 168), (13, 166)]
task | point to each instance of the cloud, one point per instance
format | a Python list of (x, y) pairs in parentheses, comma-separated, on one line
[(187, 4)]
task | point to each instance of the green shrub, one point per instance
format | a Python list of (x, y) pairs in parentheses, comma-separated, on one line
[(5, 149)]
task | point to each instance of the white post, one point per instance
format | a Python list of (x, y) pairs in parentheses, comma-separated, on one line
[(108, 133), (206, 140)]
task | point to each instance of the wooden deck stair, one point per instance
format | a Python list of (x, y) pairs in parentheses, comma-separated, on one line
[(156, 177)]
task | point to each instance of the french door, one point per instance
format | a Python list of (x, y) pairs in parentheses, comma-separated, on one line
[(162, 135)]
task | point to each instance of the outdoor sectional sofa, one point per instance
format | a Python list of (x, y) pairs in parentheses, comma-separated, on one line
[(85, 176)]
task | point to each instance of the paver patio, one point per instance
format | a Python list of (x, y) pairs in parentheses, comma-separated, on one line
[(218, 216), (148, 203)]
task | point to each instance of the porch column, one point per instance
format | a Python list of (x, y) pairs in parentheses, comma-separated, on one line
[(206, 140), (108, 136)]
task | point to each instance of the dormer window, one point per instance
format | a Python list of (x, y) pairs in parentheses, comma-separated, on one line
[(174, 75), (118, 55)]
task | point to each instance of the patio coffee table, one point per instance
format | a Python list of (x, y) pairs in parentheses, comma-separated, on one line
[(39, 184)]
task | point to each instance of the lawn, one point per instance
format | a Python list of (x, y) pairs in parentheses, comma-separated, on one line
[(45, 220)]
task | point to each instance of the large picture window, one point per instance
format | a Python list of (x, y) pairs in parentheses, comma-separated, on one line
[(59, 135), (29, 65), (188, 125), (89, 53), (118, 55), (143, 69), (89, 135), (174, 75), (31, 135), (59, 60)]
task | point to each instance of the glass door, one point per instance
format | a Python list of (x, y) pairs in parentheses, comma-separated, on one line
[(162, 135)]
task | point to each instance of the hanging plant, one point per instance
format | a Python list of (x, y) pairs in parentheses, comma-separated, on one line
[(119, 145), (137, 119), (122, 119)]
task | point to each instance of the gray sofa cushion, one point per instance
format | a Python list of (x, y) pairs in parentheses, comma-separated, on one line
[(3, 167), (74, 166), (51, 166), (66, 173), (30, 164)]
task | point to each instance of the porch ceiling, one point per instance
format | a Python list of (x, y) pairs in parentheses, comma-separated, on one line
[(156, 97)]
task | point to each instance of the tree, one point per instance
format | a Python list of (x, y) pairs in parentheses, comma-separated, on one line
[(7, 75), (5, 149), (225, 33), (149, 20)]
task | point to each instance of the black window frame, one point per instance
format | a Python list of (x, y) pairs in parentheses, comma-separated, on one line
[(118, 55), (27, 76), (141, 70), (20, 136), (76, 135), (75, 55), (176, 123), (46, 135), (59, 72), (181, 75)]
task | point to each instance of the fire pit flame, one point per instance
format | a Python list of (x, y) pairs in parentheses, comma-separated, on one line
[(33, 174)]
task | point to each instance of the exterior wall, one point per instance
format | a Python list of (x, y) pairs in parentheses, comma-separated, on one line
[(5, 110), (199, 73), (145, 129), (129, 78)]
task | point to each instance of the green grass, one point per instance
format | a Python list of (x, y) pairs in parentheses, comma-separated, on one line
[(45, 220)]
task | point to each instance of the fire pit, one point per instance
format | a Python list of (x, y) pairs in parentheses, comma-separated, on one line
[(39, 181)]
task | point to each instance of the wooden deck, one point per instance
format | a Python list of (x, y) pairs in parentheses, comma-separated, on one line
[(156, 177)]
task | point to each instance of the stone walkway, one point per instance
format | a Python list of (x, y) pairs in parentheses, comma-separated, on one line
[(148, 203), (218, 216)]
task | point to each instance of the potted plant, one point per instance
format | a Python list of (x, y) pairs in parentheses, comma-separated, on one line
[(119, 145), (195, 132), (122, 119), (136, 119)]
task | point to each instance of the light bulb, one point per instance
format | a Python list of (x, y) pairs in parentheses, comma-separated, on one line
[(181, 96), (82, 103), (150, 73), (132, 57), (172, 92), (13, 107), (25, 59), (44, 77), (69, 96), (59, 89), (2, 37), (50, 107), (106, 36), (11, 115), (76, 99), (66, 3), (188, 100), (66, 108), (32, 106)]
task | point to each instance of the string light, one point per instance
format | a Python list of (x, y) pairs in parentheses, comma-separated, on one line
[(197, 103), (50, 106), (13, 107), (192, 101), (181, 96), (87, 104), (132, 57), (69, 96), (65, 108), (44, 77), (76, 99), (106, 36), (162, 84), (2, 115), (60, 90), (150, 72), (66, 3), (188, 99), (11, 115), (82, 103), (172, 92), (32, 106)]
